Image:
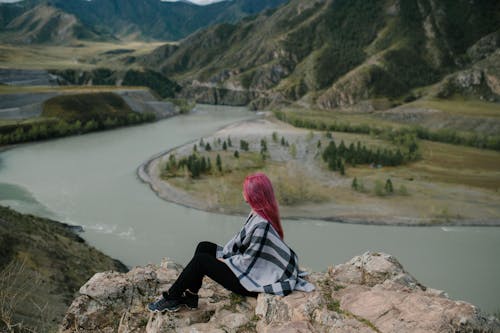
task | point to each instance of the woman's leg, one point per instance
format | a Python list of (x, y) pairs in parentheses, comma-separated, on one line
[(205, 264), (206, 247)]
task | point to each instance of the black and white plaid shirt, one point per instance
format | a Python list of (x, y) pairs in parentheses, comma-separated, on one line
[(262, 261)]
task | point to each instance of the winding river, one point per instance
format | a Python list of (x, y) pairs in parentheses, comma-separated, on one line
[(91, 181)]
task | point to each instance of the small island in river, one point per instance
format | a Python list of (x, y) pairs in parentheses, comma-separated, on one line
[(368, 180)]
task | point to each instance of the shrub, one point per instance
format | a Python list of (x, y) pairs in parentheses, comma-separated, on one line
[(402, 190), (293, 150), (379, 189)]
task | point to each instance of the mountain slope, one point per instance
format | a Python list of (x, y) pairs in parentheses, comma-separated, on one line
[(43, 24), (42, 264), (150, 20), (332, 52)]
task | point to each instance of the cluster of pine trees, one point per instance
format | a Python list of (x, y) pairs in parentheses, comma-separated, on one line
[(194, 163), (338, 156), (18, 133)]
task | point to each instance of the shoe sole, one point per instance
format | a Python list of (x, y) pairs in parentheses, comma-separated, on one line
[(172, 310)]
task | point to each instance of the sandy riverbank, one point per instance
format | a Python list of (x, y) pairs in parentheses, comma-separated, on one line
[(427, 202)]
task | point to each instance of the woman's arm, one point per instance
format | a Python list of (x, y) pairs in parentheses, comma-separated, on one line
[(252, 245)]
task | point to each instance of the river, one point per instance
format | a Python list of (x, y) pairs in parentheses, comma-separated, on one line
[(90, 180)]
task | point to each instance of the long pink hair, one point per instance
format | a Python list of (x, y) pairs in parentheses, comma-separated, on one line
[(258, 192)]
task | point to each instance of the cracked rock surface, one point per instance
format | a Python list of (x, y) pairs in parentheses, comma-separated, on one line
[(369, 293)]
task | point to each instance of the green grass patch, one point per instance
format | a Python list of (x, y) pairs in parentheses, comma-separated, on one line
[(234, 301), (86, 107)]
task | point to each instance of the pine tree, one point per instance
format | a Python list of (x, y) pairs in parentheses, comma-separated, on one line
[(263, 146), (388, 186), (208, 147), (229, 142), (209, 164), (195, 148), (283, 142), (332, 164), (224, 145), (342, 148), (218, 162), (244, 145), (203, 165), (342, 168), (236, 154), (202, 143)]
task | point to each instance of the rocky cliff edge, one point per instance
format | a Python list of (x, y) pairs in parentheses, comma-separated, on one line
[(369, 293)]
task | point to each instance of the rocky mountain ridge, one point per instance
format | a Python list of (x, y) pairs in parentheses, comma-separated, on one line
[(369, 293), (332, 53), (117, 20)]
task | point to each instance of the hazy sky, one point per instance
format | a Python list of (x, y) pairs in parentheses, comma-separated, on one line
[(199, 2)]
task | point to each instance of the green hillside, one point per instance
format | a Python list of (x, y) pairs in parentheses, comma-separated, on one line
[(73, 113), (43, 24), (124, 19), (86, 107), (334, 53), (42, 264)]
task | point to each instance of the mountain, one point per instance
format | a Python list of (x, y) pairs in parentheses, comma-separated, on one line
[(43, 24), (125, 19), (331, 53)]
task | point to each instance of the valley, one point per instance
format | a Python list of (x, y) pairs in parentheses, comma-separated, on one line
[(369, 118)]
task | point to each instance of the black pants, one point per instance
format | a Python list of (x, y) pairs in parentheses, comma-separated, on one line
[(204, 263)]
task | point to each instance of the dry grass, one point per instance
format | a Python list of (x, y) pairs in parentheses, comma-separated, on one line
[(292, 184), (458, 165), (84, 55), (4, 89), (461, 106), (352, 118)]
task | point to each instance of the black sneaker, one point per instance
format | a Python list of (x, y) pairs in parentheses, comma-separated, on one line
[(190, 300), (173, 304), (169, 303)]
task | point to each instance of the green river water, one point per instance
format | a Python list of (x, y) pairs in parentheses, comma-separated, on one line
[(91, 180)]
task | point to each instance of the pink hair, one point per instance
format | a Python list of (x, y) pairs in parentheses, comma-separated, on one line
[(258, 192)]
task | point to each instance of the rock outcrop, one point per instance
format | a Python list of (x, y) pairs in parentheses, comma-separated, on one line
[(370, 293)]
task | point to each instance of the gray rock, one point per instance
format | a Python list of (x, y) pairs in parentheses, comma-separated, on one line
[(369, 293)]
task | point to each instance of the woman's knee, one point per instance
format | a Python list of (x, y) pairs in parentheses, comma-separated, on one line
[(206, 247)]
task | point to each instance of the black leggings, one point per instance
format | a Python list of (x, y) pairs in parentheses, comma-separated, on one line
[(204, 263)]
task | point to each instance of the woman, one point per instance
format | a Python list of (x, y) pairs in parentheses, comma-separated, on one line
[(255, 260)]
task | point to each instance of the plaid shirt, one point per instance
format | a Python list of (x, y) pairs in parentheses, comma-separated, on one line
[(262, 261)]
